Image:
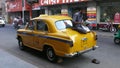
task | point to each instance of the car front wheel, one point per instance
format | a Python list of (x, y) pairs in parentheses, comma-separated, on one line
[(117, 41), (21, 46), (51, 55)]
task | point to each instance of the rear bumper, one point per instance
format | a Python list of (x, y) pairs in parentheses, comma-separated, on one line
[(80, 52)]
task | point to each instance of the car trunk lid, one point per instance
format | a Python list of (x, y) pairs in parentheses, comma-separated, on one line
[(81, 41)]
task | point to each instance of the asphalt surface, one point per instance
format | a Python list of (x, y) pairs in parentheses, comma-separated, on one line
[(103, 33), (7, 60), (10, 61)]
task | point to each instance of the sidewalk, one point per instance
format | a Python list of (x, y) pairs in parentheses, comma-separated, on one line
[(9, 61)]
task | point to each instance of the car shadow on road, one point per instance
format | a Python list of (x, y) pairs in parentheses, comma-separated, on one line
[(67, 62)]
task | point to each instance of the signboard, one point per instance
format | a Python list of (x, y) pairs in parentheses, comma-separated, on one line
[(52, 2), (117, 18), (64, 12), (14, 6), (36, 6), (91, 13)]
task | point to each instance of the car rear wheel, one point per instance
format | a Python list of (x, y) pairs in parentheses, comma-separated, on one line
[(117, 41), (21, 45), (50, 54)]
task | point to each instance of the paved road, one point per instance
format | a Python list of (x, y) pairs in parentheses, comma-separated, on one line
[(103, 33), (8, 60), (11, 57)]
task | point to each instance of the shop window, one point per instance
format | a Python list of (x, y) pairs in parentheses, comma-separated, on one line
[(108, 12), (55, 10)]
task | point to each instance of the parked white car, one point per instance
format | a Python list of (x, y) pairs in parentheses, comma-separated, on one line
[(2, 22)]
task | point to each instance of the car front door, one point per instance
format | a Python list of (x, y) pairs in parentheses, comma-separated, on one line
[(29, 34)]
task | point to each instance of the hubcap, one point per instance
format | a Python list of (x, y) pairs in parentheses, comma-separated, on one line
[(117, 41), (50, 54), (21, 45)]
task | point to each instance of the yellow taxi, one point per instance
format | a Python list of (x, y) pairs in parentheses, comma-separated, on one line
[(54, 35)]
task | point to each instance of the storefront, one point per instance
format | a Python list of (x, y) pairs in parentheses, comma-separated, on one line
[(90, 11), (69, 8), (54, 9), (37, 10), (108, 11), (64, 7), (109, 15), (15, 9)]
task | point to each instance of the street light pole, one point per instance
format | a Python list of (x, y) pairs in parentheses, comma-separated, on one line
[(23, 9)]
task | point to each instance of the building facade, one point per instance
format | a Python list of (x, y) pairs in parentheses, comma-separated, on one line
[(0, 7), (108, 15), (95, 9), (69, 7), (50, 7)]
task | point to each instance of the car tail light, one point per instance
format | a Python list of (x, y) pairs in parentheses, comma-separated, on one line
[(71, 43), (95, 35)]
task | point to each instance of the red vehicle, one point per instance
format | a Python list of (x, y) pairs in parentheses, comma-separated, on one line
[(108, 27)]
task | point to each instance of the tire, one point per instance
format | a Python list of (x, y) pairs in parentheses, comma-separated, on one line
[(113, 29), (50, 55), (3, 25), (117, 41), (21, 45)]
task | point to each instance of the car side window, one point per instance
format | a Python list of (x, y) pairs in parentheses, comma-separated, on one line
[(42, 26), (31, 25)]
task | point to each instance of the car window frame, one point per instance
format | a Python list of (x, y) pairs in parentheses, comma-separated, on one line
[(46, 26), (32, 27)]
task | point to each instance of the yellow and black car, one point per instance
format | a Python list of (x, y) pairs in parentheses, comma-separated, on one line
[(54, 35)]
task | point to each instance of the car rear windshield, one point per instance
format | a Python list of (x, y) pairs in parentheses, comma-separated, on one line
[(63, 24)]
